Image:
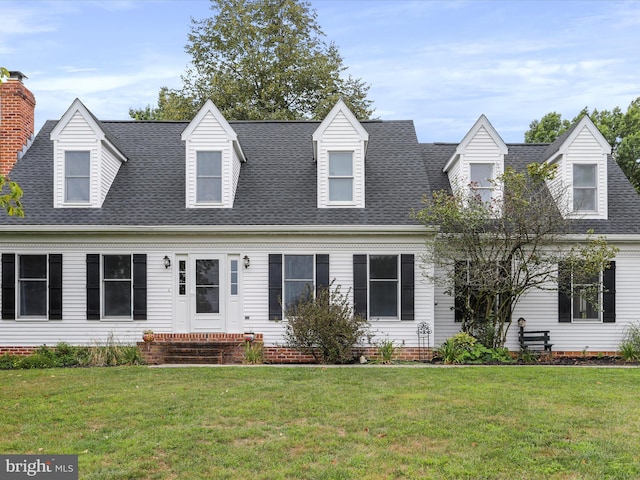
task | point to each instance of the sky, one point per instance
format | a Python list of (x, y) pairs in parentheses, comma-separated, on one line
[(440, 64)]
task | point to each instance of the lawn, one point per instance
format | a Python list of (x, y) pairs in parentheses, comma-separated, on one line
[(328, 423)]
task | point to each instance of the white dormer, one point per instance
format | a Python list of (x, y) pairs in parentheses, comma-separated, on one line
[(86, 159), (581, 156), (213, 157), (478, 160), (340, 147)]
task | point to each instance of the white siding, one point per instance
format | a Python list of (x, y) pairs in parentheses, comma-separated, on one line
[(540, 309), (585, 149), (403, 332), (74, 328), (340, 135), (210, 135), (109, 166), (77, 135)]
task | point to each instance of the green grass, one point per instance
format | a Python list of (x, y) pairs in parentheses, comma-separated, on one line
[(329, 423)]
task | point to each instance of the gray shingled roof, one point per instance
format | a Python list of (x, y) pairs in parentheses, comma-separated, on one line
[(277, 184), (624, 201)]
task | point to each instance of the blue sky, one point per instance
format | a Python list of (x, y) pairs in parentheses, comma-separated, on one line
[(440, 64)]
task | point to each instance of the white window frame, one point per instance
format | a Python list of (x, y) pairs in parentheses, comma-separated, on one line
[(477, 187), (331, 177), (104, 281), (214, 178), (307, 281), (67, 177), (580, 297), (372, 281), (593, 188), (20, 280)]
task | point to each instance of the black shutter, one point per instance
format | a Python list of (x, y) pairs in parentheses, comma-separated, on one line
[(322, 272), (407, 287), (360, 285), (275, 286), (609, 294), (140, 286), (55, 286), (564, 288), (8, 286), (460, 290), (93, 286)]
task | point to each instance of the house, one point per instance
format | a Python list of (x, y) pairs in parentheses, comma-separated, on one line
[(197, 229)]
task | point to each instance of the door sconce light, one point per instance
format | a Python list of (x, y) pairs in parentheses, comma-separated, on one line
[(167, 262), (246, 261)]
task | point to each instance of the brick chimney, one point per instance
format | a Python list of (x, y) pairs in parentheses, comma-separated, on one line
[(17, 106)]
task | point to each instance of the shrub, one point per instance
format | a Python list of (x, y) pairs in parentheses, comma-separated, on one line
[(386, 350), (463, 348), (630, 345), (8, 361), (325, 326)]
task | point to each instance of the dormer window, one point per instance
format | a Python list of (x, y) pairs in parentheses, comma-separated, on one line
[(340, 149), (477, 164), (209, 177), (77, 176), (481, 181), (340, 177), (86, 159), (585, 188), (213, 159)]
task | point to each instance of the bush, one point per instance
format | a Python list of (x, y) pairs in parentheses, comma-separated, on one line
[(463, 348), (325, 326), (8, 361), (630, 345), (64, 355)]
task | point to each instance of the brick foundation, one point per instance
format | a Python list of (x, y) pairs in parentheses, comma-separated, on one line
[(231, 346)]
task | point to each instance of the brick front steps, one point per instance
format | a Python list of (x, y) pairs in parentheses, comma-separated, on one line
[(196, 348)]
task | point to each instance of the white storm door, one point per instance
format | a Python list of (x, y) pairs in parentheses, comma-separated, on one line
[(207, 293)]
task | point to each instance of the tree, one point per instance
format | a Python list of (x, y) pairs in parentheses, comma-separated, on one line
[(489, 254), (622, 131), (10, 192), (261, 59)]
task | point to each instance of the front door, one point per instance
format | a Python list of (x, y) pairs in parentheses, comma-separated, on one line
[(207, 293)]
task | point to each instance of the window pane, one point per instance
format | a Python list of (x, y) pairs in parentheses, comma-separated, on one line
[(33, 298), (33, 266), (340, 164), (584, 176), (296, 291), (117, 299), (77, 190), (117, 267), (298, 267), (383, 266), (234, 277), (340, 189), (481, 174), (207, 272), (77, 164), (209, 164), (384, 299), (584, 199), (209, 189), (207, 300)]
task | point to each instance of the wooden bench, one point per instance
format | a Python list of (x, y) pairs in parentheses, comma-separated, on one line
[(538, 340)]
